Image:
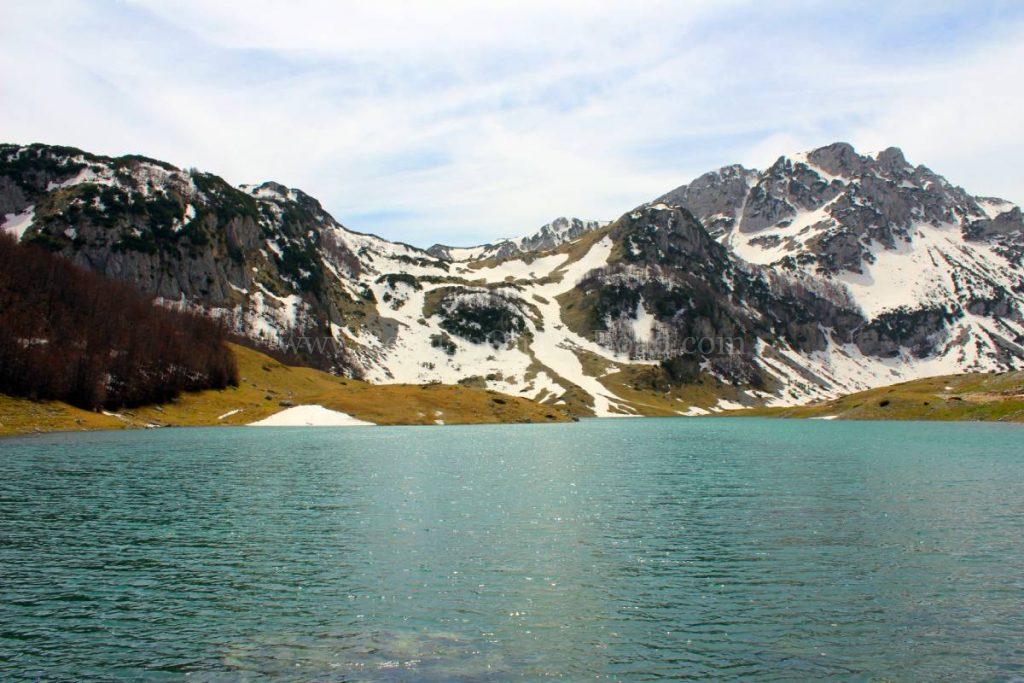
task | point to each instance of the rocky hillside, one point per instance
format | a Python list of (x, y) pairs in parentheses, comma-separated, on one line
[(830, 272), (262, 257), (936, 271)]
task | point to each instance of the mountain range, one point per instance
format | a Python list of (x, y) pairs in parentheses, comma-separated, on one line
[(828, 272)]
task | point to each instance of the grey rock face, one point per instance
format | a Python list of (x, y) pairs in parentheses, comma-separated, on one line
[(840, 159), (714, 196), (12, 198), (1009, 224), (557, 233)]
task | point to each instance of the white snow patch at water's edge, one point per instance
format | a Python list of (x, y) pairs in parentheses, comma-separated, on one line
[(695, 411), (309, 416)]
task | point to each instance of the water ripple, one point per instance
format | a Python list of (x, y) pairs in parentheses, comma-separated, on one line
[(635, 549)]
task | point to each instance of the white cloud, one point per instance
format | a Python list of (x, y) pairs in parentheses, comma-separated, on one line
[(461, 121), (963, 120)]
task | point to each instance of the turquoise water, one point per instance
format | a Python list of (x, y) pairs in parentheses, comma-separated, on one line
[(632, 549)]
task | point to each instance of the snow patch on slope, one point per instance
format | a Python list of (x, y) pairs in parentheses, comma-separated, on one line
[(995, 207), (542, 366), (643, 324), (935, 267), (17, 224)]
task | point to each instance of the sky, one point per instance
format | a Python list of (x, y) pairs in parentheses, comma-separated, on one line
[(463, 122)]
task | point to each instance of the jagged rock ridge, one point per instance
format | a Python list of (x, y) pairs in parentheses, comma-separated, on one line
[(549, 236)]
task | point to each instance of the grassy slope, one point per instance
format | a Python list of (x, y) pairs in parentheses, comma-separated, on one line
[(265, 383), (996, 396)]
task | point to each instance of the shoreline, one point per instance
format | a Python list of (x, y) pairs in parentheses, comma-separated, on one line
[(736, 415)]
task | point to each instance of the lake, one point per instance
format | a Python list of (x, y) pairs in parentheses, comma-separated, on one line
[(623, 549)]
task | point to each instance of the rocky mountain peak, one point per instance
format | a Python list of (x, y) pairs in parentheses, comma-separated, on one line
[(714, 196), (549, 236), (831, 209), (892, 160), (268, 188), (663, 234), (839, 159)]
